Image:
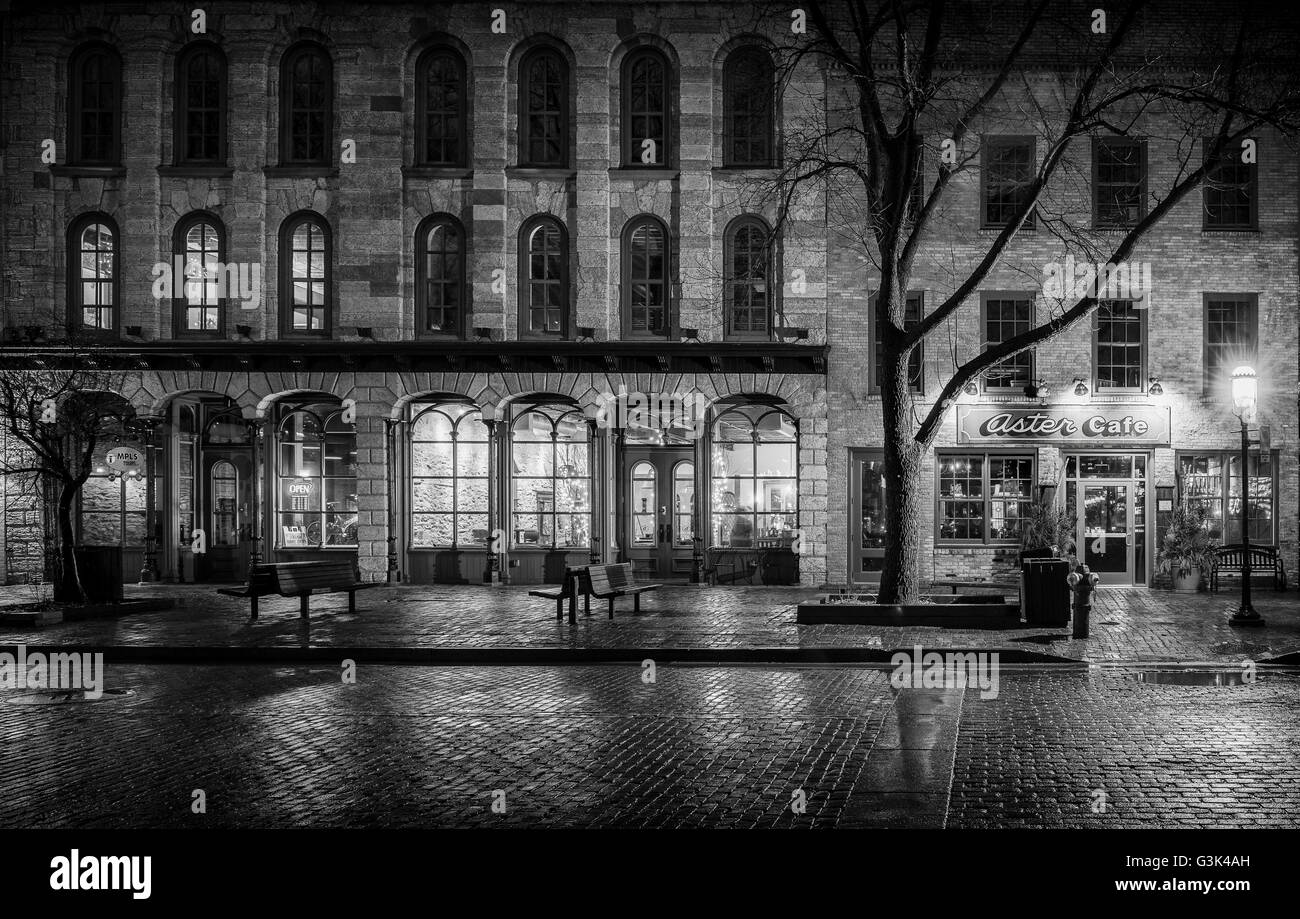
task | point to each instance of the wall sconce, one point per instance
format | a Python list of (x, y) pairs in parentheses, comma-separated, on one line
[(365, 331), (482, 333), (245, 331), (1037, 389), (691, 335), (1155, 389), (586, 333), (1080, 387), (791, 332), (971, 389), (134, 331), (33, 332)]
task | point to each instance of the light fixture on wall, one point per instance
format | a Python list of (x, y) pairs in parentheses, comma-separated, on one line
[(971, 389), (365, 331), (690, 335), (482, 333), (1080, 387), (787, 332), (134, 331), (1155, 389), (1037, 389), (586, 333), (245, 331)]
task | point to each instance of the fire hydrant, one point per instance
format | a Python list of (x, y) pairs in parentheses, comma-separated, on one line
[(1082, 582)]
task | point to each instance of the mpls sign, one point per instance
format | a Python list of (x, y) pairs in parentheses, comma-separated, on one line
[(1069, 424)]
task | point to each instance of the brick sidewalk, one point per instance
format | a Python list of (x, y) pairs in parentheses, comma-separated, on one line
[(1127, 625)]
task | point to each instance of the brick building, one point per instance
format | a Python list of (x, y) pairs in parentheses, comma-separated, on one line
[(460, 245)]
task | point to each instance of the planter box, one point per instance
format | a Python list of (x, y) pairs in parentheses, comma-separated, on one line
[(966, 611)]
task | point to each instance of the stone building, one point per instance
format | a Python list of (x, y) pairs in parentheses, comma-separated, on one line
[(495, 288)]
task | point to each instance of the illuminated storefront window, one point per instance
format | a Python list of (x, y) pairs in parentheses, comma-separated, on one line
[(449, 476), (316, 477), (754, 476), (550, 480)]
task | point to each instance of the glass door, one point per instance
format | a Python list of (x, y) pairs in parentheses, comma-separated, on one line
[(1106, 496), (660, 511), (867, 513), (1108, 531)]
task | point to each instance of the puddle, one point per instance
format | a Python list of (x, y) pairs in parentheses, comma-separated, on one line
[(1238, 677), (66, 697)]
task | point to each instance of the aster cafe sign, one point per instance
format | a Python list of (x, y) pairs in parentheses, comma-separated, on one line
[(1103, 425)]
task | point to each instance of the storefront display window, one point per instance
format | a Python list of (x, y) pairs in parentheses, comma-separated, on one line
[(550, 481), (754, 483), (449, 476), (983, 497), (1204, 479), (316, 477)]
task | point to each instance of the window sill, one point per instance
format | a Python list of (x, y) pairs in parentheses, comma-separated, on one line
[(437, 172), (197, 172), (986, 230), (301, 172), (553, 173), (89, 172), (644, 173), (765, 172), (1229, 231)]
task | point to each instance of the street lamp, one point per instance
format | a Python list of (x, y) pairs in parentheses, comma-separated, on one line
[(1245, 399)]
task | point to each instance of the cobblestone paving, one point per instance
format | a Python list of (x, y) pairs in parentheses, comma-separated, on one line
[(415, 746), (1127, 625)]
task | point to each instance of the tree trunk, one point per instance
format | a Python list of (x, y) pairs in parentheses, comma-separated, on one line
[(67, 588), (901, 574)]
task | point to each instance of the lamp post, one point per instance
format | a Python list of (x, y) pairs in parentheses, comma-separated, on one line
[(1245, 399)]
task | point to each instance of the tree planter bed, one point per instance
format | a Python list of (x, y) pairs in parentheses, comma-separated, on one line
[(965, 611), (54, 613)]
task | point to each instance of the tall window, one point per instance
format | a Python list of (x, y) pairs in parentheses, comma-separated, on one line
[(647, 306), (316, 477), (440, 275), (748, 103), (1231, 189), (754, 477), (305, 275), (1231, 337), (1006, 316), (550, 481), (544, 291), (95, 107), (200, 106), (543, 109), (306, 106), (440, 107), (1205, 478), (983, 497), (1008, 172), (1119, 181), (1120, 357), (199, 242), (449, 476), (93, 263), (912, 313), (646, 109), (748, 279)]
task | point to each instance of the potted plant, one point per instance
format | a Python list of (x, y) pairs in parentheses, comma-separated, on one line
[(1187, 548), (1046, 532)]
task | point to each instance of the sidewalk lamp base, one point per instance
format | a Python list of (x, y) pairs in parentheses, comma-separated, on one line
[(1246, 616)]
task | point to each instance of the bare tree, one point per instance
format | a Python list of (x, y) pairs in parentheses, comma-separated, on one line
[(57, 406), (910, 82)]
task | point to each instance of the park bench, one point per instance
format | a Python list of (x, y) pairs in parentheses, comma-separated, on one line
[(730, 566), (568, 590), (301, 579), (608, 582), (992, 586), (1263, 559)]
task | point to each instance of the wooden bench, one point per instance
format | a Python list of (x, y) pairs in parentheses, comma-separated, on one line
[(1263, 560), (730, 566), (1005, 586), (301, 579), (568, 590), (608, 582)]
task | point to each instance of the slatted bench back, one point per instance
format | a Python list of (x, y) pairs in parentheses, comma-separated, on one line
[(262, 581), (309, 577), (599, 581), (1231, 556), (620, 576)]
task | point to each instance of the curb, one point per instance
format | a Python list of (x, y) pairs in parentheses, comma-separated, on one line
[(516, 656)]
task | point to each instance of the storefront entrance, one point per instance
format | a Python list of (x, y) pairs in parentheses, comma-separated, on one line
[(867, 511), (1106, 495), (226, 500), (659, 514)]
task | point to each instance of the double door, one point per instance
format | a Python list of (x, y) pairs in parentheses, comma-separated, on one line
[(226, 497), (1107, 496), (659, 511)]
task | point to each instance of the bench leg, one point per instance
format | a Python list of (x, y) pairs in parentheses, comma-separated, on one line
[(559, 608), (573, 609), (636, 603), (254, 599), (303, 608), (611, 607), (352, 601), (586, 604)]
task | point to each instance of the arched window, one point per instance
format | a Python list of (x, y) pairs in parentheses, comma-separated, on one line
[(306, 106), (316, 474), (647, 108), (440, 109), (754, 479), (449, 477), (543, 109), (93, 268), (748, 295), (544, 278), (199, 308), (550, 481), (305, 273), (647, 280), (95, 107), (200, 106), (748, 103), (440, 276)]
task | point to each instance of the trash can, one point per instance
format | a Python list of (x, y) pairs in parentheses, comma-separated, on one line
[(1046, 594), (100, 568)]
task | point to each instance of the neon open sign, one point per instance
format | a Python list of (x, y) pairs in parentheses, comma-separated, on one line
[(299, 489)]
